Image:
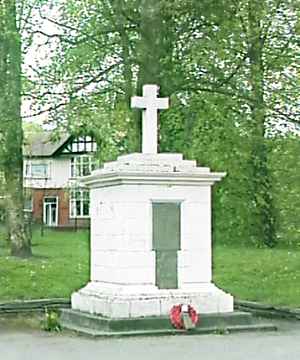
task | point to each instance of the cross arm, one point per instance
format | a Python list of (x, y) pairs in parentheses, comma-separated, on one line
[(138, 102), (163, 103)]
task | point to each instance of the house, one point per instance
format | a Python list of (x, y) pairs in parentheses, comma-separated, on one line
[(51, 179)]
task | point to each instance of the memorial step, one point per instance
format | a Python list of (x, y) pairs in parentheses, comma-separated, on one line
[(98, 326)]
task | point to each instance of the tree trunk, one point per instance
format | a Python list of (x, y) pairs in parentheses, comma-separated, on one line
[(151, 49), (264, 229), (11, 126), (134, 132)]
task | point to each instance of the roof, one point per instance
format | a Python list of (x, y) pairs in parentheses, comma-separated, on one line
[(45, 145)]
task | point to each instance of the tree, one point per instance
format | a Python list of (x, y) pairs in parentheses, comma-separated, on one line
[(11, 128), (220, 62), (259, 82), (105, 51), (31, 130), (264, 224), (286, 175)]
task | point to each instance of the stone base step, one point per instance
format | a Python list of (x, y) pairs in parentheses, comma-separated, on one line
[(97, 326)]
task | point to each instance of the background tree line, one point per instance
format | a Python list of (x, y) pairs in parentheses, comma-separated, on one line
[(230, 68)]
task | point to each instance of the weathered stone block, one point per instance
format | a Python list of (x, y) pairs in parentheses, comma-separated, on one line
[(145, 307)]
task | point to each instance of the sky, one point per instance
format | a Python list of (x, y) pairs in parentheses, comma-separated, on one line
[(38, 54)]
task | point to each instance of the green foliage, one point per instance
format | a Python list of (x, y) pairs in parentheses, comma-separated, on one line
[(51, 321), (211, 131), (110, 127), (286, 176), (230, 69), (31, 131), (232, 201), (221, 331), (11, 132)]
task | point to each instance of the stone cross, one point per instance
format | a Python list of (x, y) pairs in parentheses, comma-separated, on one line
[(150, 104)]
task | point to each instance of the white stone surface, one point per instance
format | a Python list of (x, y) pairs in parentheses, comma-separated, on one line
[(163, 170), (122, 259), (150, 104), (120, 302), (153, 163)]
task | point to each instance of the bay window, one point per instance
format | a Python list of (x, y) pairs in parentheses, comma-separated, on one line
[(82, 165)]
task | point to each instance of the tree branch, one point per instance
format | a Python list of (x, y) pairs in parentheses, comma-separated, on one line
[(61, 37), (191, 88), (292, 117), (72, 28), (25, 20), (51, 108), (72, 94), (227, 80)]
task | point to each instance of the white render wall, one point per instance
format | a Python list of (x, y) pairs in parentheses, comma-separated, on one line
[(59, 173), (122, 280), (121, 233)]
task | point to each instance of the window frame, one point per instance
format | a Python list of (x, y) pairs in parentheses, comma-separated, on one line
[(82, 199), (78, 162), (29, 166)]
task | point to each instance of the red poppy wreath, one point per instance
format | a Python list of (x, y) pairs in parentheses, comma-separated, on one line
[(176, 316)]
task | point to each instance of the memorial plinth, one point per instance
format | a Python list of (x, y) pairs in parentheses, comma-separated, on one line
[(150, 238)]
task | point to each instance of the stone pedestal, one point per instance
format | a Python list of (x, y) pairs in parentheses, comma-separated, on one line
[(123, 259)]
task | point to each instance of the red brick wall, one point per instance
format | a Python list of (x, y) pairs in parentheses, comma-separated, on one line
[(38, 196)]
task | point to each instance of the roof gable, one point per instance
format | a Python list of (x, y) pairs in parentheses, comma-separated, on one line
[(80, 144), (44, 145)]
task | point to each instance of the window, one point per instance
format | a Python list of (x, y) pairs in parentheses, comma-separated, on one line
[(82, 166), (79, 203), (37, 170)]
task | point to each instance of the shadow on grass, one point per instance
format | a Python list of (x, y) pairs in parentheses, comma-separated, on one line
[(33, 257), (39, 257)]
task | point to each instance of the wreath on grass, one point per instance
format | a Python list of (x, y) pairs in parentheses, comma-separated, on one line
[(176, 316)]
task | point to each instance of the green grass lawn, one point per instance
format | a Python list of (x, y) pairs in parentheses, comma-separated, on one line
[(270, 276), (60, 265)]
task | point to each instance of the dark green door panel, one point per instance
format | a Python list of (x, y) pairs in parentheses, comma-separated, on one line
[(166, 269), (166, 243), (166, 226)]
